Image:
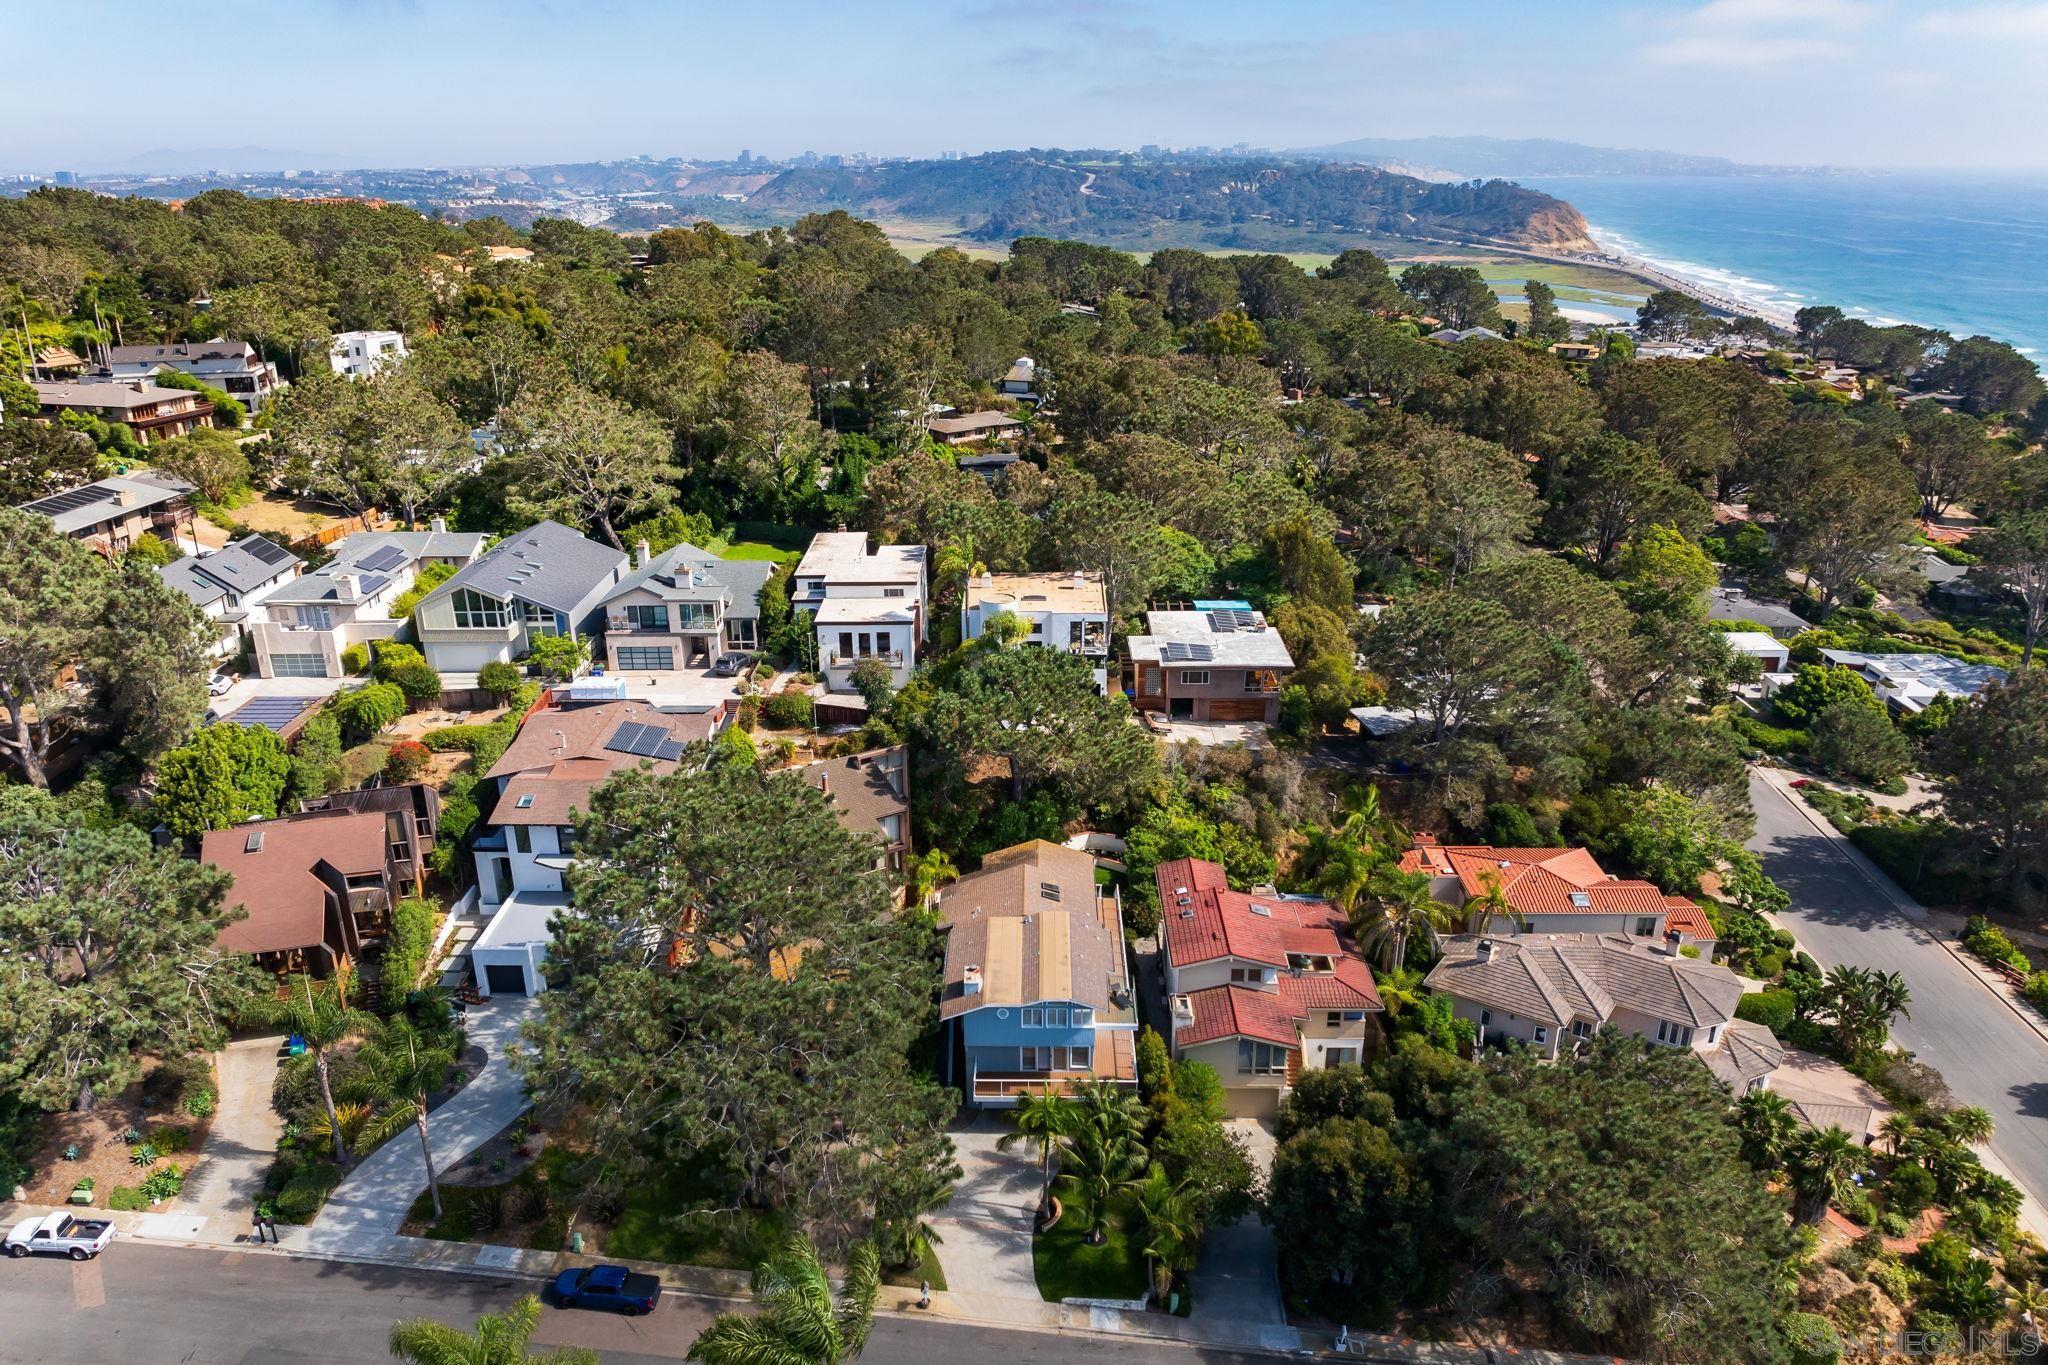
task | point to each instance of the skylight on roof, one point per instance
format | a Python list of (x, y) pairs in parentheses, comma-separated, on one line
[(1258, 909), (525, 802)]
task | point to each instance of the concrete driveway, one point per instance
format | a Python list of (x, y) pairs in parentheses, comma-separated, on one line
[(986, 1229), (1845, 911), (1239, 1276), (243, 1139)]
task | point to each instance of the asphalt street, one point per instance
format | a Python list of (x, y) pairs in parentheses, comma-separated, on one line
[(166, 1304), (1956, 1024)]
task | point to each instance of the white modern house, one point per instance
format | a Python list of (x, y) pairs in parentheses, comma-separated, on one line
[(1065, 611), (359, 353), (1771, 653), (228, 583), (301, 629), (1910, 682), (863, 603)]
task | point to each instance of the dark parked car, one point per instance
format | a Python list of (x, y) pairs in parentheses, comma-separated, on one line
[(607, 1286), (731, 665)]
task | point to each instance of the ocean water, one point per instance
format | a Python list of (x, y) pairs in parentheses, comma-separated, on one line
[(1966, 254)]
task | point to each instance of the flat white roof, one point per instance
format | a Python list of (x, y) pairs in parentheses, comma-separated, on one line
[(1243, 648), (522, 919), (843, 557), (1029, 592), (1754, 642), (855, 611)]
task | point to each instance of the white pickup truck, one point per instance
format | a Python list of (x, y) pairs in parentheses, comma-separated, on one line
[(60, 1234)]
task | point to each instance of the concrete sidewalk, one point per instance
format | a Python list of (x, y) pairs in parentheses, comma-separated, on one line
[(363, 1215)]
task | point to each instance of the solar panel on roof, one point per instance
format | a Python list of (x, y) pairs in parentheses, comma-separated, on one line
[(1178, 652), (625, 737), (373, 584), (649, 742), (273, 713), (67, 501), (382, 558), (669, 750), (267, 552), (1233, 618)]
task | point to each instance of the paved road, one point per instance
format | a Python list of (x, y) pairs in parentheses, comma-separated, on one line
[(1986, 1054), (162, 1305)]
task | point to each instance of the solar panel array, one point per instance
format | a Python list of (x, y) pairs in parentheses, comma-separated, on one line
[(273, 713), (644, 741), (1231, 618), (267, 552), (1176, 652), (67, 501), (382, 559)]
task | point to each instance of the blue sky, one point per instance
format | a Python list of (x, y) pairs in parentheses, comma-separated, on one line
[(450, 82)]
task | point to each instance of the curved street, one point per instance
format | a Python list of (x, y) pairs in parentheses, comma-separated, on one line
[(1845, 911)]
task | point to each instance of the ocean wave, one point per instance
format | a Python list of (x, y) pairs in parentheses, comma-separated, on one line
[(1761, 295)]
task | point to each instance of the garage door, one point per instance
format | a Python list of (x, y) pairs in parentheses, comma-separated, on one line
[(298, 665), (1238, 708), (504, 980), (638, 658), (1251, 1101), (465, 658)]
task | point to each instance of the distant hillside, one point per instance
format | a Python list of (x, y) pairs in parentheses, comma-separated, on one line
[(1483, 156), (1011, 194)]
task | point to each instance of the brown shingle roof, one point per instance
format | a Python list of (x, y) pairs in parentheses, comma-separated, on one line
[(559, 756), (277, 884), (866, 788), (1004, 921)]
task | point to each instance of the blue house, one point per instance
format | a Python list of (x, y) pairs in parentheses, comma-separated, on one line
[(1038, 989)]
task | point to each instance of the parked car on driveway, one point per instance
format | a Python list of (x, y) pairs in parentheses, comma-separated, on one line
[(220, 685), (607, 1286), (731, 665), (60, 1234)]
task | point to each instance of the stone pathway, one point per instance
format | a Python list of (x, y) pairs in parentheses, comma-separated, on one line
[(243, 1138), (366, 1210)]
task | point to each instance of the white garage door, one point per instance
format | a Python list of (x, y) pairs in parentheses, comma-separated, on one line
[(298, 665)]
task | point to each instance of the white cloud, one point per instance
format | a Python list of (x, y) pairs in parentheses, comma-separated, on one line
[(2002, 23), (1753, 33)]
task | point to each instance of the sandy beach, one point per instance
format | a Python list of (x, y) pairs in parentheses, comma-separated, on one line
[(1637, 268)]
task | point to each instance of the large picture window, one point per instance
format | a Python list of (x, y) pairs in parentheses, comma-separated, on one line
[(474, 611), (1260, 1059), (644, 616), (743, 633), (540, 620), (696, 616)]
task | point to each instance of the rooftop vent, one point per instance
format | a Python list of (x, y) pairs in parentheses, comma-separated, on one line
[(1485, 950), (254, 843), (1049, 890), (970, 979), (1183, 1009)]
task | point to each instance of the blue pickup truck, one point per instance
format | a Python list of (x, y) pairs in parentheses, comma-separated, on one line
[(607, 1286)]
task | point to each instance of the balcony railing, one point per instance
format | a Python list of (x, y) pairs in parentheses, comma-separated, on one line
[(1005, 1085), (892, 657)]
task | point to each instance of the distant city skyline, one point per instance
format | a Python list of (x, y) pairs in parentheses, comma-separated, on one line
[(1876, 83)]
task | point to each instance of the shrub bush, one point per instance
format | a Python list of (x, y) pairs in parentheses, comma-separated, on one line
[(500, 679), (355, 659), (1774, 1009), (1811, 1339), (143, 1154), (369, 709), (420, 683), (1859, 1208), (788, 711), (2036, 991), (463, 737), (1512, 826), (1909, 1190), (169, 1083), (199, 1101), (1771, 739), (164, 1182), (1990, 943), (406, 761), (405, 951), (170, 1139), (306, 1191)]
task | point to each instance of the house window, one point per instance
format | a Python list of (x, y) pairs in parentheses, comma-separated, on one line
[(1340, 1056), (1034, 1018), (1646, 926), (1056, 1018), (1542, 1035), (1713, 1034), (846, 644), (697, 616), (1248, 976), (1333, 1019), (1082, 1058), (1254, 682), (540, 620), (522, 838), (474, 611), (639, 657), (1194, 677), (314, 618), (1260, 1059), (1083, 1017), (743, 634), (892, 592), (565, 835), (1073, 632), (1581, 1029), (1673, 1035), (641, 616), (1485, 1018)]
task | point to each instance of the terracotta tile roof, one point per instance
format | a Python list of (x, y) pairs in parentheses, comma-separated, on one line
[(276, 883), (1349, 987), (1203, 919), (1537, 881), (1238, 1012), (1688, 919)]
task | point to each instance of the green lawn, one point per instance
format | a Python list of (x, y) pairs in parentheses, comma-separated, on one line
[(648, 1230), (1068, 1268), (767, 540), (928, 1269)]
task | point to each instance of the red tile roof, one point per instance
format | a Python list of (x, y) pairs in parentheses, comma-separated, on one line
[(1238, 1012), (1687, 918), (1349, 987), (1537, 881), (1203, 919)]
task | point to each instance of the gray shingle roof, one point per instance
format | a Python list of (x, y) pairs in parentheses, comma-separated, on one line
[(80, 509), (736, 582), (547, 564), (1555, 977)]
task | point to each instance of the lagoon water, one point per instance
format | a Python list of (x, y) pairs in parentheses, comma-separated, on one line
[(1965, 254)]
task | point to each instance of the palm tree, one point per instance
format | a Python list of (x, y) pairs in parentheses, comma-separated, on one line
[(1765, 1120), (499, 1339), (346, 1123), (1402, 908), (1345, 874), (1105, 1152), (1864, 1003), (1365, 821), (322, 1019), (1824, 1166), (1968, 1125), (1490, 904), (1898, 1132), (2028, 1302), (399, 1071), (929, 871), (1399, 989), (800, 1323), (1042, 1120), (1167, 1226)]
